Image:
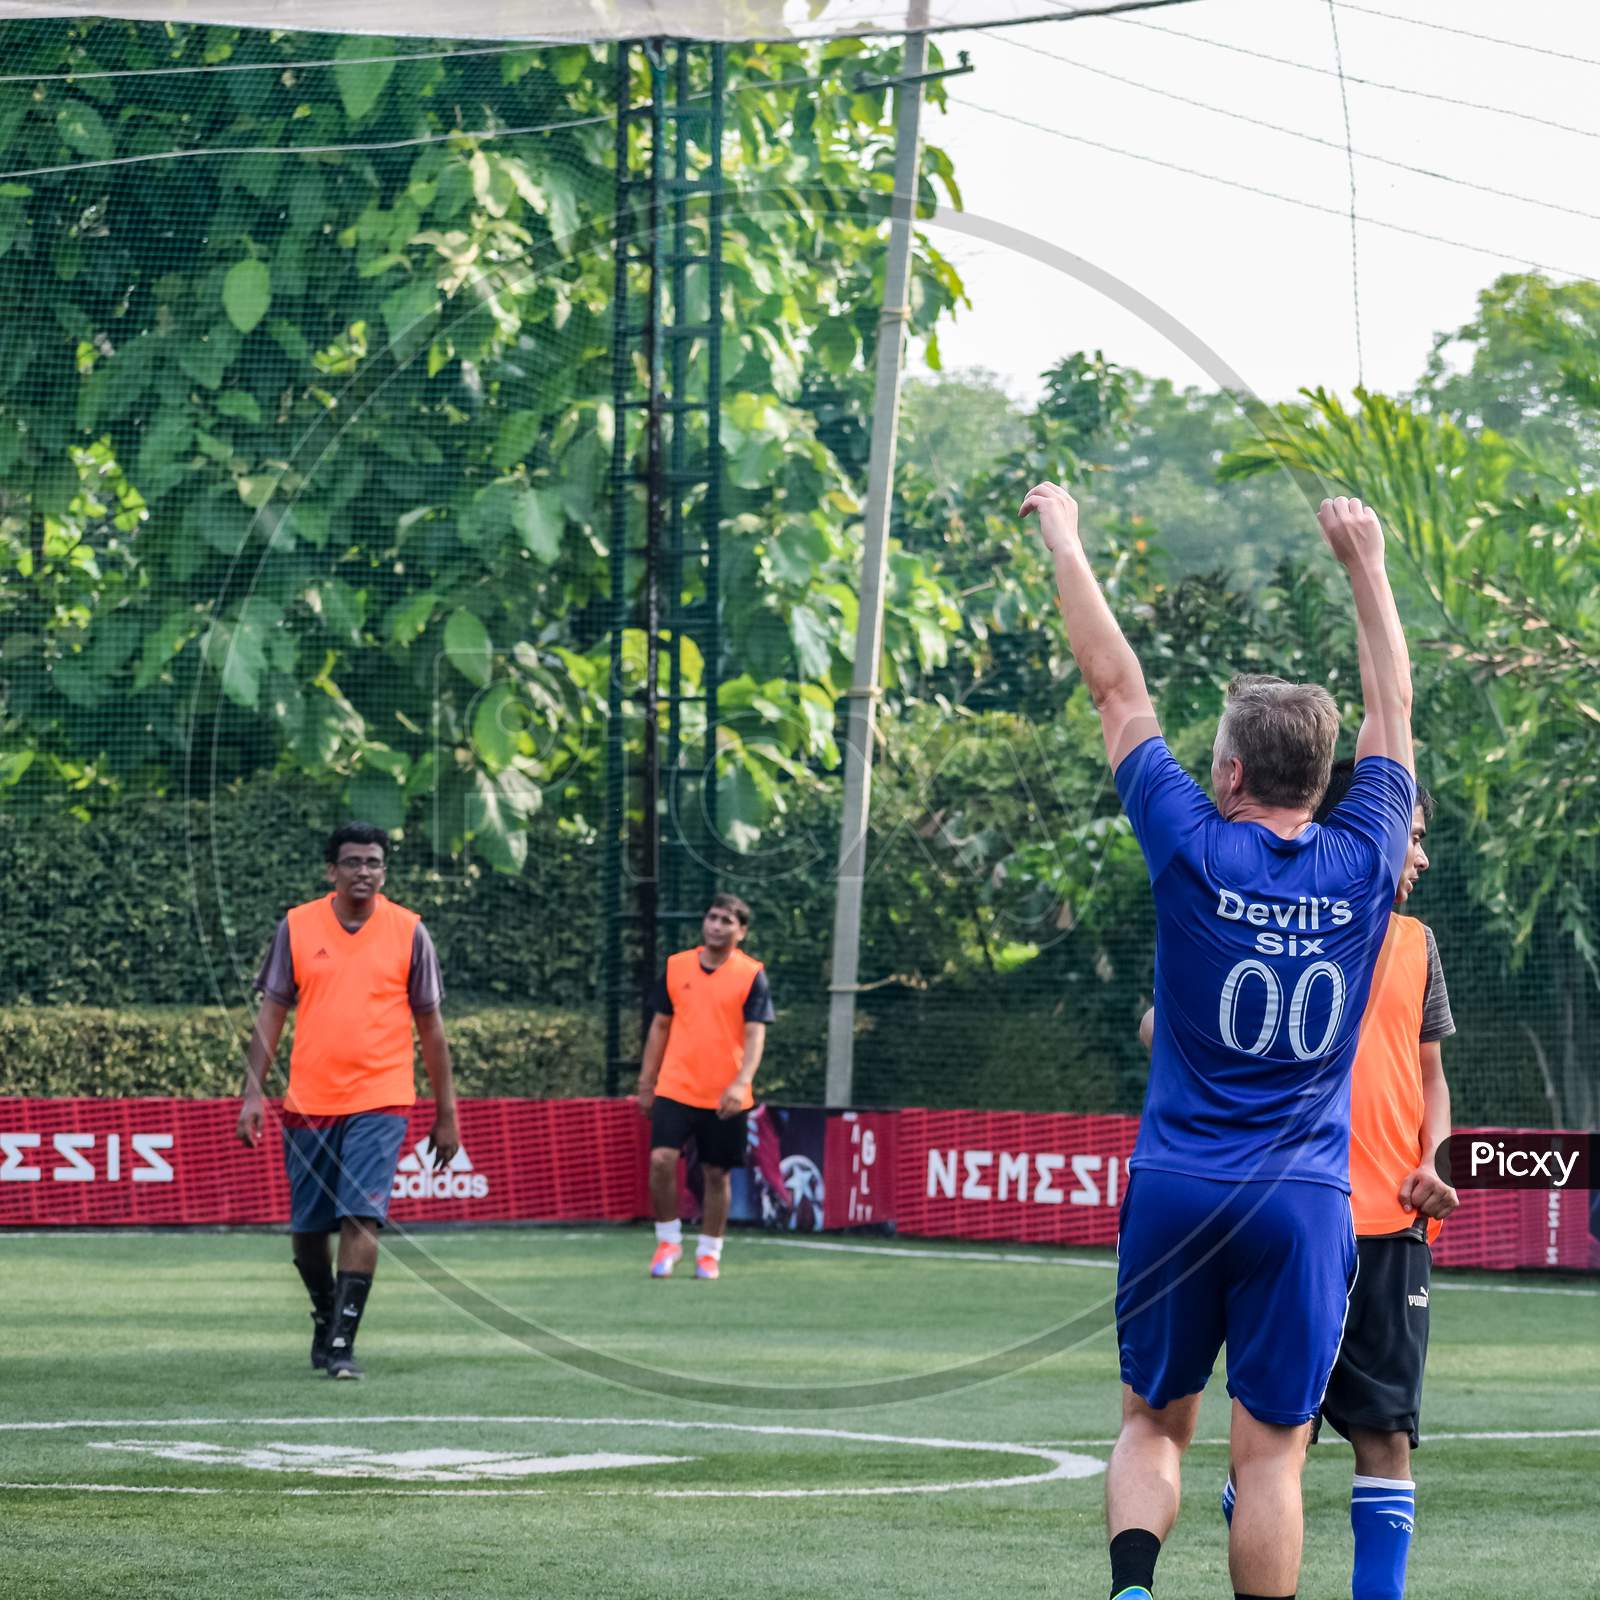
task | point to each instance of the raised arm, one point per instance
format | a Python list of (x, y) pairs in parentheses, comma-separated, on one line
[(1356, 539), (1105, 658)]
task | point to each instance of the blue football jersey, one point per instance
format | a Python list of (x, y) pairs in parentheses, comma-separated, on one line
[(1264, 954)]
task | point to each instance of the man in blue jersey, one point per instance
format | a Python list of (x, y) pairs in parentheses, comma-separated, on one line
[(1236, 1224)]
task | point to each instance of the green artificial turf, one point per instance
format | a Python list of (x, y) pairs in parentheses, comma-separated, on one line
[(196, 1343)]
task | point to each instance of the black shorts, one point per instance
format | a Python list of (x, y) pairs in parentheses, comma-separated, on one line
[(1377, 1380), (719, 1141)]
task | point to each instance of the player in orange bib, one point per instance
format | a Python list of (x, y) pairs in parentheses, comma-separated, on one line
[(360, 972), (700, 1057), (1399, 1116)]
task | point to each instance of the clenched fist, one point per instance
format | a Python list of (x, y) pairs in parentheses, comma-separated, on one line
[(1058, 515), (1351, 529)]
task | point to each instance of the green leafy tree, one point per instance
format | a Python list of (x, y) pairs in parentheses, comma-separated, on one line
[(954, 425), (1498, 556), (306, 457), (1509, 368)]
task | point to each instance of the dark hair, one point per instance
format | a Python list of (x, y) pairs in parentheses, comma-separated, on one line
[(1339, 781), (731, 902), (356, 833)]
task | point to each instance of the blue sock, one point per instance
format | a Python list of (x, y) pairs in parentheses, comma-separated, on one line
[(1228, 1497), (1382, 1511)]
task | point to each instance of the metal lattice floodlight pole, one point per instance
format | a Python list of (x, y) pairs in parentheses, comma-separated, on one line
[(667, 401), (864, 689)]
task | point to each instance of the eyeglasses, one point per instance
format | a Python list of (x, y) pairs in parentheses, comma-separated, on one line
[(355, 864)]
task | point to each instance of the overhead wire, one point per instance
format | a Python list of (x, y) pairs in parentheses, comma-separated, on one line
[(1467, 33), (1350, 167), (70, 76), (1273, 194), (599, 119), (1299, 133), (1366, 83), (1071, 14), (309, 149)]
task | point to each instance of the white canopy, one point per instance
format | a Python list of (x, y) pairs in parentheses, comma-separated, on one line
[(574, 20)]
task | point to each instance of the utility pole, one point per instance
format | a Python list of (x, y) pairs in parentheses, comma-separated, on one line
[(864, 690)]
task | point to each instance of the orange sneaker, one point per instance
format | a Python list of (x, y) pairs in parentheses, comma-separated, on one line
[(667, 1256), (707, 1267)]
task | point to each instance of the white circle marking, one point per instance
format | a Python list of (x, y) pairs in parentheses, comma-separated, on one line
[(1062, 1464)]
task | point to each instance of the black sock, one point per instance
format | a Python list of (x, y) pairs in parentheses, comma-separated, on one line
[(317, 1276), (349, 1302), (1133, 1560)]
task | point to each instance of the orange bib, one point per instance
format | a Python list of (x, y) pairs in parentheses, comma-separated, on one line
[(1386, 1084), (705, 1048), (352, 1032)]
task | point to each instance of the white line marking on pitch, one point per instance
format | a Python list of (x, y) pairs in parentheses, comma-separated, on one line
[(1103, 1263), (113, 1488), (981, 1257), (1062, 1464), (438, 1465), (1427, 1438)]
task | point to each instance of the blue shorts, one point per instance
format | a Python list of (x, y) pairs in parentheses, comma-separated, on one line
[(1265, 1268), (343, 1170)]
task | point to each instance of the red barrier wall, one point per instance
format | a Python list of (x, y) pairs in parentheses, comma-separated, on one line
[(1044, 1178), (1030, 1177), (132, 1162), (859, 1168), (1038, 1177)]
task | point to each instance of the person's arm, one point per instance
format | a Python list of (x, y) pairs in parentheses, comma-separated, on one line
[(1147, 1028), (263, 1046), (655, 1048), (733, 1097), (445, 1137), (1110, 669), (1424, 1190), (1354, 535)]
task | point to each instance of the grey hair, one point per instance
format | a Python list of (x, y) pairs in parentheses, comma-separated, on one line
[(1283, 735)]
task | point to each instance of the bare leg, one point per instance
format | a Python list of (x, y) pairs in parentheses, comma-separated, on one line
[(358, 1245), (718, 1197), (1142, 1481), (664, 1183), (1382, 1455), (1268, 1523)]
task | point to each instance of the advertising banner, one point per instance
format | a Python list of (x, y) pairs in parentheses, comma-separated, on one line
[(860, 1168), (1045, 1178), (1024, 1177), (1033, 1177), (119, 1163), (781, 1182)]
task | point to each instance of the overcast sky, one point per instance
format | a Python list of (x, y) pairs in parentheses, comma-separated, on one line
[(1264, 283)]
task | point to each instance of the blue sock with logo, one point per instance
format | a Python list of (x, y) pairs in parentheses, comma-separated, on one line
[(1382, 1514), (1229, 1495)]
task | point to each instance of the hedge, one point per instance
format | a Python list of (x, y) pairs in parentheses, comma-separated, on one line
[(1020, 1061), (197, 1052), (166, 901)]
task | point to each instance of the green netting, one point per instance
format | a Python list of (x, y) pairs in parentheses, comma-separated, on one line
[(317, 455)]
